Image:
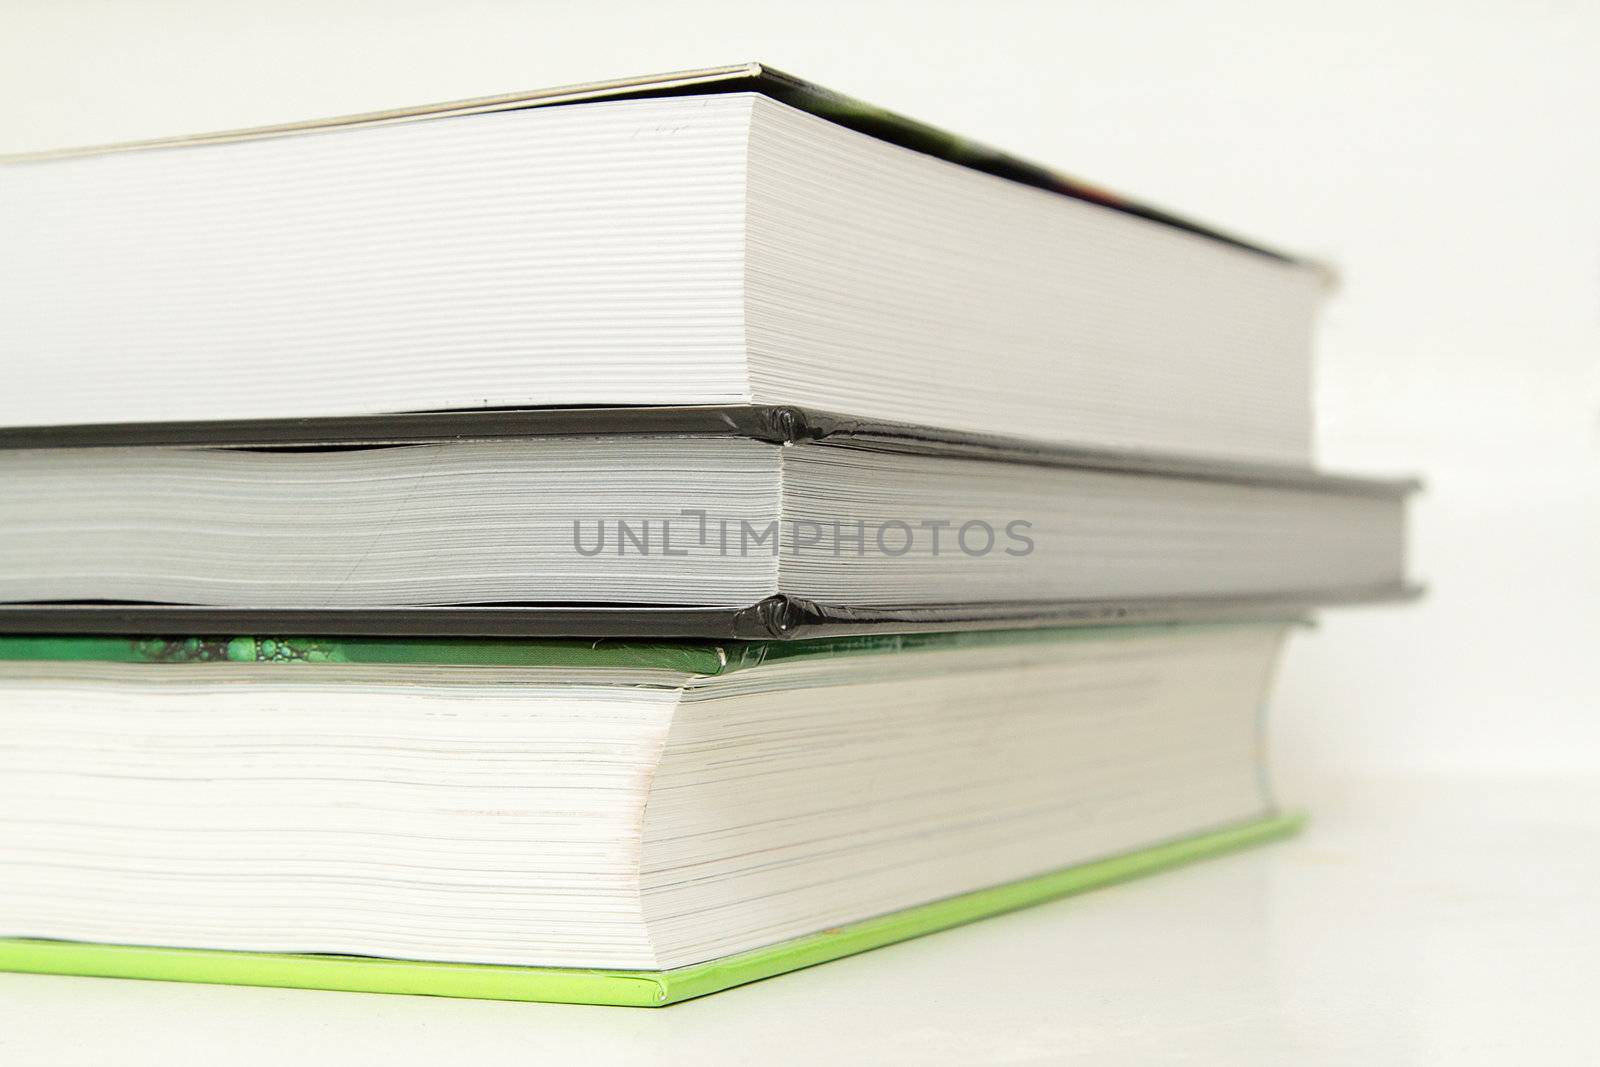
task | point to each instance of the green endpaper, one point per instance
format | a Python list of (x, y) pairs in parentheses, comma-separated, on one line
[(708, 658), (644, 989)]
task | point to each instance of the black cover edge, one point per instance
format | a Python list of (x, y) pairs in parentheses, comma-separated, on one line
[(773, 424), (775, 618)]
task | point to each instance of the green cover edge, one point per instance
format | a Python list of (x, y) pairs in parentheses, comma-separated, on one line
[(684, 657), (688, 657), (617, 988)]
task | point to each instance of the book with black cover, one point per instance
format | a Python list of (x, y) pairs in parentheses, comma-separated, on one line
[(193, 527)]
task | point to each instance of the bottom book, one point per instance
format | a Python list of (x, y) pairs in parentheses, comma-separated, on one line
[(597, 822)]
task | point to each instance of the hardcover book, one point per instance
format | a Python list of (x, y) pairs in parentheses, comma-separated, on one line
[(604, 822), (736, 522)]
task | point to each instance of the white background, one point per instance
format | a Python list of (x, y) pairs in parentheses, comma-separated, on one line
[(1446, 157)]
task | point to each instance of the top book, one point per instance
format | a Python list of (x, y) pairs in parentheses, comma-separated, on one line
[(728, 236)]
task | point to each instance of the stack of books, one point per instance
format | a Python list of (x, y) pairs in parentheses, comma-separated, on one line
[(613, 543)]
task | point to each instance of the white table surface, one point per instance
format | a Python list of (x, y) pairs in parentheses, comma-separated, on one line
[(1416, 921)]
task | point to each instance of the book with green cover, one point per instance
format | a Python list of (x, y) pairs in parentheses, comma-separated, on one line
[(609, 822)]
